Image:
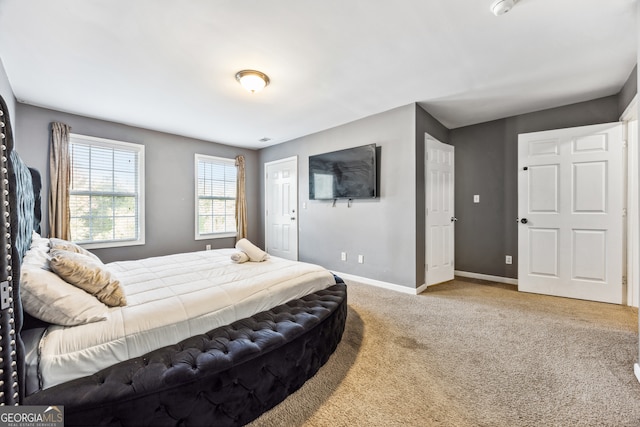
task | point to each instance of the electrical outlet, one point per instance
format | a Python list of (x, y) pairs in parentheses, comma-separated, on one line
[(208, 247), (5, 295), (360, 259), (476, 198), (343, 256), (508, 259)]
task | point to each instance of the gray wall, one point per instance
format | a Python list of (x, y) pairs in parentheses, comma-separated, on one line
[(381, 229), (486, 163), (7, 94), (169, 181)]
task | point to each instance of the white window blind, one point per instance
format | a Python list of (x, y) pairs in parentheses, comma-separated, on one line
[(106, 198), (215, 197)]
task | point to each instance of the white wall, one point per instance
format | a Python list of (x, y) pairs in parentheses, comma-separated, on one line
[(7, 94)]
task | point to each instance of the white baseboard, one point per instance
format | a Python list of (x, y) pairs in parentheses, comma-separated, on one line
[(498, 279), (380, 284), (419, 290), (636, 370)]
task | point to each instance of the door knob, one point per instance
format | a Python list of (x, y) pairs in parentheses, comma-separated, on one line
[(524, 220), (453, 219)]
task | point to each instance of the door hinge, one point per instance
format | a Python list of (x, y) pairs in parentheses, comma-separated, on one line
[(624, 280), (624, 212)]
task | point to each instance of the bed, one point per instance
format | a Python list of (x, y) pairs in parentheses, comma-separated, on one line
[(219, 350)]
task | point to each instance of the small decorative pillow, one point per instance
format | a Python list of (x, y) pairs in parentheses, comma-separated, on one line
[(239, 257), (47, 297), (88, 274), (66, 245), (255, 253)]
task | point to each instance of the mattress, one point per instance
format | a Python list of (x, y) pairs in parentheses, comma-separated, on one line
[(171, 298)]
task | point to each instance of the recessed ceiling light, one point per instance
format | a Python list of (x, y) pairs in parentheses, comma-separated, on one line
[(252, 80), (500, 7)]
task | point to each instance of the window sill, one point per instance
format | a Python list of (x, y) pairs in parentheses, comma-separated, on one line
[(215, 236), (118, 244)]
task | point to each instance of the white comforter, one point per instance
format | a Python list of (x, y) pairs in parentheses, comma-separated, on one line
[(169, 299)]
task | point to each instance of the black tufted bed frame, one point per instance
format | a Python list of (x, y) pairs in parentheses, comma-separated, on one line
[(228, 376)]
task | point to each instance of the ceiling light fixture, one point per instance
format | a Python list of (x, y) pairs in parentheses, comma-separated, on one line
[(500, 7), (252, 80)]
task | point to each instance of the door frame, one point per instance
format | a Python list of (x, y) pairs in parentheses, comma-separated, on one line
[(266, 202), (632, 225)]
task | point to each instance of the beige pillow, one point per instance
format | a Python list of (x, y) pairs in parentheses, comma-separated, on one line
[(47, 297), (66, 245), (88, 274)]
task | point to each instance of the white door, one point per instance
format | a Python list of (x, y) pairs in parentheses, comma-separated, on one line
[(281, 208), (570, 205), (440, 220)]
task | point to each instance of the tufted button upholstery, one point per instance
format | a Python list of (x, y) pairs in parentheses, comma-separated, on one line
[(228, 376)]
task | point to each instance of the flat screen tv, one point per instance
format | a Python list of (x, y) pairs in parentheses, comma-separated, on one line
[(343, 174)]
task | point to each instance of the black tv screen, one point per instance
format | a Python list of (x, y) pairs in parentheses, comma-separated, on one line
[(344, 174)]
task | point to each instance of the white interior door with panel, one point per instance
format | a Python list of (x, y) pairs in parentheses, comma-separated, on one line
[(440, 217), (281, 208), (571, 207)]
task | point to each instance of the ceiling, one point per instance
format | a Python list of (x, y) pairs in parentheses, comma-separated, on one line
[(170, 65)]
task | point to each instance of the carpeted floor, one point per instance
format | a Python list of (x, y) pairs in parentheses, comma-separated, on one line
[(467, 353)]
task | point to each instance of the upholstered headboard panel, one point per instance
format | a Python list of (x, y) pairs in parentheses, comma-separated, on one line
[(23, 200), (20, 199), (11, 349), (37, 202)]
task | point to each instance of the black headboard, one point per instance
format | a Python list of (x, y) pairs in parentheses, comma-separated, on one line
[(20, 209)]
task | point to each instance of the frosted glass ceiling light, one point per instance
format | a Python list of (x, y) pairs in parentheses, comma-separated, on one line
[(500, 7), (251, 80)]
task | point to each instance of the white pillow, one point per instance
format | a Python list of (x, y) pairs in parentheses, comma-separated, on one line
[(37, 256), (239, 257), (38, 241), (47, 297), (255, 253)]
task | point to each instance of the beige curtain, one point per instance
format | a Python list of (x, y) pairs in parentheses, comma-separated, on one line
[(60, 180), (241, 200)]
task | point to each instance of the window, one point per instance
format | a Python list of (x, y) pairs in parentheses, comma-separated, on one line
[(215, 197), (106, 198)]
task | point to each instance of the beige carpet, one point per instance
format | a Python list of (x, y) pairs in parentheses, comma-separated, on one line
[(467, 353)]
